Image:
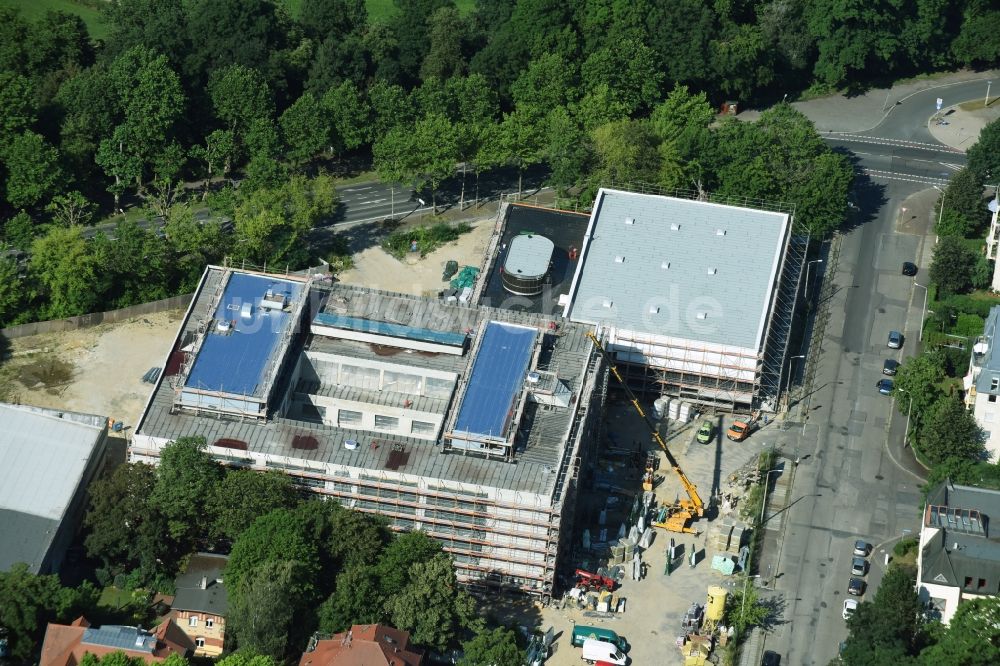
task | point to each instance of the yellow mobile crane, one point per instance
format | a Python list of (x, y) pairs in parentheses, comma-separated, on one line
[(683, 511)]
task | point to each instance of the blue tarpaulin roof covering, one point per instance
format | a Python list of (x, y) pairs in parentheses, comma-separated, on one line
[(390, 330), (234, 362), (495, 381)]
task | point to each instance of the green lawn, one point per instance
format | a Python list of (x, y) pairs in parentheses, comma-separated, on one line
[(34, 9)]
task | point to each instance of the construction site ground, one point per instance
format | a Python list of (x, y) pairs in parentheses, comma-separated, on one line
[(657, 603)]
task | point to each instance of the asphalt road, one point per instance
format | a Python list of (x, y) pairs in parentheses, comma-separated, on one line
[(855, 479)]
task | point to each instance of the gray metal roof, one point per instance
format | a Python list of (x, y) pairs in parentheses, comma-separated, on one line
[(122, 638), (44, 455), (677, 267), (529, 256), (989, 362), (191, 597)]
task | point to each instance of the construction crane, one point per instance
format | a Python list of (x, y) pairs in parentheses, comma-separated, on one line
[(679, 516)]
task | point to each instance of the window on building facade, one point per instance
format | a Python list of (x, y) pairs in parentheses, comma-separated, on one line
[(982, 583), (991, 398), (386, 422), (347, 417), (968, 582), (995, 384), (209, 622), (192, 621), (199, 642), (422, 428)]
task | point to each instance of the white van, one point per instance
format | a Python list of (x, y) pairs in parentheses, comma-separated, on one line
[(595, 650)]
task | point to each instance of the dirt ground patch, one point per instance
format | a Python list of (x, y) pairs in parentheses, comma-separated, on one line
[(377, 269), (92, 370)]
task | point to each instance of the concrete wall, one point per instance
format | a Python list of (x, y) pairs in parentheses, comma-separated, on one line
[(988, 416)]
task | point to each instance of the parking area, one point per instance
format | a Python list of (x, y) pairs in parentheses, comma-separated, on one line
[(656, 604)]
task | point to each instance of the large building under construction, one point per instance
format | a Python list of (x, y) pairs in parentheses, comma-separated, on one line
[(694, 298), (467, 422)]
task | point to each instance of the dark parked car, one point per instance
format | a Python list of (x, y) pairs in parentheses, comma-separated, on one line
[(884, 386), (771, 658), (856, 587), (909, 268), (890, 366)]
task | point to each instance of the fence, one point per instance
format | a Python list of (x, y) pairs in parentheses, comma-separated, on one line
[(95, 318)]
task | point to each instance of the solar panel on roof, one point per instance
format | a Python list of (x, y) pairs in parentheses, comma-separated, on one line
[(495, 381)]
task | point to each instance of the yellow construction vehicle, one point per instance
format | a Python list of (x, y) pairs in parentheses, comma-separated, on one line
[(678, 516)]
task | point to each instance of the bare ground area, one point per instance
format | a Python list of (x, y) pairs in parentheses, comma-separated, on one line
[(377, 269), (92, 370)]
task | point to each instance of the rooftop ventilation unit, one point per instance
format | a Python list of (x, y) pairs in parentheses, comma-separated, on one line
[(702, 315), (664, 265), (223, 326), (273, 300), (712, 271), (720, 232), (654, 310), (629, 220), (533, 378), (246, 312), (674, 226), (607, 303), (620, 259)]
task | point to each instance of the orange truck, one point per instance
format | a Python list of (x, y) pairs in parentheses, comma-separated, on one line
[(741, 428)]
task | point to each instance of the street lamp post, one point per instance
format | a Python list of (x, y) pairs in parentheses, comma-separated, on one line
[(988, 84), (909, 411), (923, 313), (808, 269), (788, 380), (941, 206)]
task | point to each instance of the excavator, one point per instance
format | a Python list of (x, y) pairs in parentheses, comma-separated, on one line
[(676, 517)]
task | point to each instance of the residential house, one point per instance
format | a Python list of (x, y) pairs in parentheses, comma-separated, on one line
[(65, 645), (982, 385), (200, 604), (364, 645), (959, 556)]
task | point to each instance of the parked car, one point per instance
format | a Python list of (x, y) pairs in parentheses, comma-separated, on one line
[(856, 587), (771, 658), (850, 605), (909, 268), (859, 566), (884, 386), (861, 548), (890, 366), (705, 432), (895, 340)]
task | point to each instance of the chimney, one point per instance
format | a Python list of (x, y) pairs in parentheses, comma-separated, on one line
[(204, 582)]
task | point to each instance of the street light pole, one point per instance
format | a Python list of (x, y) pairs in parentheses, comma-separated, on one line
[(923, 313), (808, 269), (940, 206), (788, 379), (988, 84), (909, 412)]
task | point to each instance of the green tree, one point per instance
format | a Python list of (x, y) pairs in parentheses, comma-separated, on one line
[(390, 106), (680, 32), (279, 536), (195, 244), (445, 30), (972, 637), (521, 142), (11, 291), (356, 538), (262, 608), (246, 659), (497, 647), (28, 602), (90, 113), (393, 162), (977, 41), (743, 60), (744, 608), (19, 231), (355, 600), (965, 212), (248, 33), (598, 107), (218, 154), (245, 495), (432, 607), (185, 478), (58, 41), (984, 155), (566, 148), (399, 556), (951, 431), (240, 95), (683, 119), (411, 28), (134, 264), (547, 83), (332, 18), (160, 25), (630, 69), (123, 166), (435, 151), (887, 627), (305, 129), (917, 384), (33, 173), (71, 209), (854, 39), (17, 105), (951, 268), (67, 271), (348, 113), (626, 151), (119, 509)]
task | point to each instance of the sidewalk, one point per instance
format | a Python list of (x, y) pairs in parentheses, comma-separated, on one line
[(960, 128)]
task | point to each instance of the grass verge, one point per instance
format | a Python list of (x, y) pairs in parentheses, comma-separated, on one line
[(427, 239)]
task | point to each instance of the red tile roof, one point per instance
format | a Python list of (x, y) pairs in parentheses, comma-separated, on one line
[(64, 646), (365, 645)]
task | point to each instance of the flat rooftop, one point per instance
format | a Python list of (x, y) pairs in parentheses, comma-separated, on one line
[(678, 267), (565, 349), (566, 231), (44, 455), (496, 380), (236, 360)]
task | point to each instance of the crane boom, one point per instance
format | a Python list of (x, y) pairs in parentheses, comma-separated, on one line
[(694, 502)]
